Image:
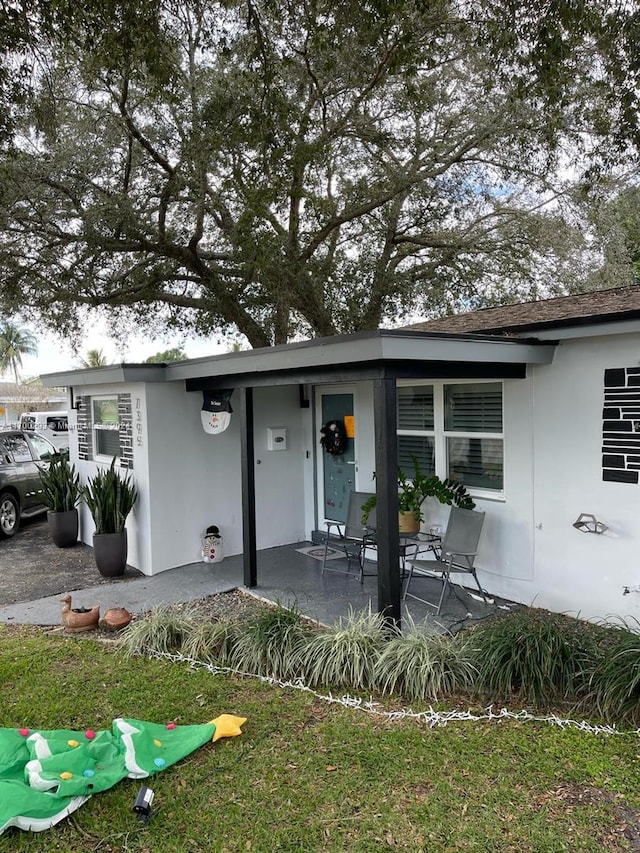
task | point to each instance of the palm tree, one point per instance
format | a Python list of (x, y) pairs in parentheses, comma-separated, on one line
[(93, 358), (14, 343)]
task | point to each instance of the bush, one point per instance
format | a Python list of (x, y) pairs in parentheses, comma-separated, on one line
[(614, 685), (539, 655), (270, 643)]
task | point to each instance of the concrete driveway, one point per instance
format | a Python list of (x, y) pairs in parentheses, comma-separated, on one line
[(32, 567)]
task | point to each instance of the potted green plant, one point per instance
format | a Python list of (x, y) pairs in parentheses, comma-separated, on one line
[(61, 493), (110, 497), (413, 490)]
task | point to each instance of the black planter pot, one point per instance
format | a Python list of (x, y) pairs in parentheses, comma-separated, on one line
[(110, 552), (63, 527)]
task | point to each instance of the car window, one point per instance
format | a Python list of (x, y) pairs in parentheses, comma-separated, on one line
[(5, 459), (58, 424), (18, 447), (43, 449)]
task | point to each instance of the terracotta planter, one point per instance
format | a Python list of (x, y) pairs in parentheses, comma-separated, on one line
[(110, 552), (63, 527), (408, 523), (117, 618)]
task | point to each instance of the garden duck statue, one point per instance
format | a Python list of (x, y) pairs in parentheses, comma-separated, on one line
[(79, 618)]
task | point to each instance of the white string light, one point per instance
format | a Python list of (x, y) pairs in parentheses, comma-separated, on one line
[(430, 717)]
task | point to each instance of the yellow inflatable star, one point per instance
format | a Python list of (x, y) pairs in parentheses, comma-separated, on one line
[(227, 726)]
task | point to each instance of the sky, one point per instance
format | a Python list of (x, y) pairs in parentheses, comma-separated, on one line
[(55, 354)]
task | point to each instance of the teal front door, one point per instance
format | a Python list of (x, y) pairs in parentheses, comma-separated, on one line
[(337, 473)]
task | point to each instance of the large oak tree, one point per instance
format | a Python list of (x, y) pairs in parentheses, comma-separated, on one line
[(284, 168)]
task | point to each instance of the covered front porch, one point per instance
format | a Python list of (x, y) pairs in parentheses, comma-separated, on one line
[(292, 579), (380, 359)]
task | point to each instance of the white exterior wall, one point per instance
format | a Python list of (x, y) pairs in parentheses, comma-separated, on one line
[(195, 477), (280, 474), (188, 480), (139, 552), (529, 550), (582, 573)]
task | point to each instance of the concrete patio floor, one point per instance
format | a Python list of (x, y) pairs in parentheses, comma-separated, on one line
[(284, 576), (296, 580)]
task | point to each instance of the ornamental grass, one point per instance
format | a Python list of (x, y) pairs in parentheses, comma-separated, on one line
[(346, 654), (270, 643), (532, 656), (162, 631), (421, 664), (614, 683)]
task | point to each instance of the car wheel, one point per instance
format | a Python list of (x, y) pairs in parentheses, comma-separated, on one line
[(9, 515)]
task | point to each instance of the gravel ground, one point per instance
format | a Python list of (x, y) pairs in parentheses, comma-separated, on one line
[(31, 566), (236, 604)]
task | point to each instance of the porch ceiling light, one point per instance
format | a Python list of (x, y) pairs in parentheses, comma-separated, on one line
[(588, 523)]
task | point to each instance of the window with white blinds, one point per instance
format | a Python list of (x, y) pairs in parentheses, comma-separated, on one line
[(415, 407), (473, 430), (455, 430), (416, 428), (475, 407)]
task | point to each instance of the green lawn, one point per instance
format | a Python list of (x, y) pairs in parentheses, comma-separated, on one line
[(309, 776)]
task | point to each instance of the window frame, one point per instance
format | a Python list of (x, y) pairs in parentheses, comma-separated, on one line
[(96, 428), (440, 434), (421, 433)]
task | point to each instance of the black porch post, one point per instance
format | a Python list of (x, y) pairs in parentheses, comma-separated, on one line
[(247, 457), (389, 581)]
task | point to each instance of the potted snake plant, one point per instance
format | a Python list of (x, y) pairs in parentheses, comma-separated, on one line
[(110, 497), (61, 493)]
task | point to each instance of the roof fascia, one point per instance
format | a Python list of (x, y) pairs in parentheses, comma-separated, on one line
[(113, 373), (375, 349), (363, 353), (361, 372), (591, 330)]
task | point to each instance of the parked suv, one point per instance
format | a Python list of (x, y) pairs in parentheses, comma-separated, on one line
[(22, 455)]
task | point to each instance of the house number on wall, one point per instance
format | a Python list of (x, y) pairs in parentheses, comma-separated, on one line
[(139, 423)]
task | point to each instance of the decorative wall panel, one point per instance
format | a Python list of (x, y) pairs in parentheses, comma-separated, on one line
[(621, 425)]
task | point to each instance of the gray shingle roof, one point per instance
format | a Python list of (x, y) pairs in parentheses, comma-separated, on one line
[(617, 303)]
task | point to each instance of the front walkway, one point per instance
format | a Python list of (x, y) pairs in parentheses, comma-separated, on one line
[(284, 576)]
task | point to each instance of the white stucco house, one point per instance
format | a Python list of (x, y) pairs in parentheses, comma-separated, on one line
[(536, 407)]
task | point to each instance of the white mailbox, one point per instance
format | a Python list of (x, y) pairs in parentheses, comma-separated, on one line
[(276, 438)]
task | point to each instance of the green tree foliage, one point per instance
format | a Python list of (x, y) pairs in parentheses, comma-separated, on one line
[(278, 168), (93, 358), (15, 342), (616, 224), (167, 356)]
